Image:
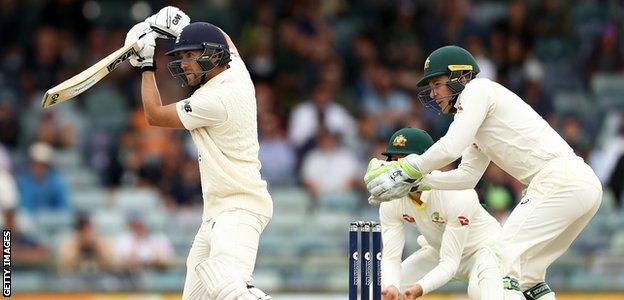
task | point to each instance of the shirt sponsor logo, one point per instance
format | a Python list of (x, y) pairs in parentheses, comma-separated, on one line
[(435, 218), (408, 218), (463, 221)]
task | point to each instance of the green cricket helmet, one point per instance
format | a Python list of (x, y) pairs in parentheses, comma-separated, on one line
[(408, 141), (453, 61)]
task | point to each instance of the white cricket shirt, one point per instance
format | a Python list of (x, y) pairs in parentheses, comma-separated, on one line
[(453, 222), (221, 117), (491, 123)]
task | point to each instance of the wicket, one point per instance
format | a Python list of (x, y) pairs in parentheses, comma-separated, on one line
[(364, 269)]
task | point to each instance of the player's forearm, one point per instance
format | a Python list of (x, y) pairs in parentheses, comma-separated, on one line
[(437, 156), (439, 276), (155, 113), (458, 179), (391, 272), (393, 239), (150, 96)]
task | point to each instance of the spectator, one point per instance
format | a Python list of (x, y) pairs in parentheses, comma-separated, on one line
[(27, 252), (9, 124), (276, 154), (140, 250), (41, 187), (84, 251), (572, 131), (607, 54), (487, 66), (330, 168), (533, 92), (9, 195), (184, 189), (382, 100), (320, 111)]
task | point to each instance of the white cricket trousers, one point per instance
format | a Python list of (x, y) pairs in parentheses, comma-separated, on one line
[(558, 204), (482, 270), (233, 234)]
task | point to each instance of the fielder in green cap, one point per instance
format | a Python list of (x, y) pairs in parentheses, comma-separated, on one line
[(458, 236), (492, 124)]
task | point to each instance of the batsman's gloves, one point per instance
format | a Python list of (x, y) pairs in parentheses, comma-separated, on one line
[(168, 22), (145, 37)]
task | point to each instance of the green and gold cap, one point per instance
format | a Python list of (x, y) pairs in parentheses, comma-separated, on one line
[(446, 60), (407, 141)]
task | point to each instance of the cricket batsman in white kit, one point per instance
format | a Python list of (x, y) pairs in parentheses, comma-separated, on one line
[(221, 117), (459, 241), (493, 124)]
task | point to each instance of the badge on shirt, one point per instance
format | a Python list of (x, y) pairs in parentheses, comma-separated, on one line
[(463, 221), (408, 218), (435, 218)]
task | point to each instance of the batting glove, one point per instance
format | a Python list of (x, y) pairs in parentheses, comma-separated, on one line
[(391, 180), (168, 22), (145, 37)]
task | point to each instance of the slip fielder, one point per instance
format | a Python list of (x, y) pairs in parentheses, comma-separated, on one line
[(221, 117), (491, 123)]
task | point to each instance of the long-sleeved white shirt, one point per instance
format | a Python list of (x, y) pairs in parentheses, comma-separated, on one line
[(221, 117), (491, 124), (453, 222)]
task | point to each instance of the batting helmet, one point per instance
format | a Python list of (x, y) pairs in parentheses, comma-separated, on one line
[(454, 61), (200, 36), (408, 141)]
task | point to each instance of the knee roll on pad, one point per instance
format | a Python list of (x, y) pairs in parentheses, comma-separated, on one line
[(221, 281), (224, 283), (538, 291)]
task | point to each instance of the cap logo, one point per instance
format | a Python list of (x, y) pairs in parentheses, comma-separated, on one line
[(399, 141), (427, 64)]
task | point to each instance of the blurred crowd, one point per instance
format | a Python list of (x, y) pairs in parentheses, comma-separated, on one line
[(334, 79)]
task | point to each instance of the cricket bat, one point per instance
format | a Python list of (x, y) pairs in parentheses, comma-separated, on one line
[(77, 84)]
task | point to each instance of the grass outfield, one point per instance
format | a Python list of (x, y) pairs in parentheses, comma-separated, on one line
[(127, 296)]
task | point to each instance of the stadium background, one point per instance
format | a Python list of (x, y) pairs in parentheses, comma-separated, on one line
[(333, 80)]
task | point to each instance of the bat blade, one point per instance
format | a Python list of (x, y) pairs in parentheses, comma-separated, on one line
[(81, 82)]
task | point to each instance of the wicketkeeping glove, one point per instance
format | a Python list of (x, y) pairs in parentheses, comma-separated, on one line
[(145, 37), (168, 22), (391, 180)]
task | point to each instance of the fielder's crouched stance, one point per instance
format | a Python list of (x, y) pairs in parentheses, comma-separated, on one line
[(458, 236), (221, 117), (492, 124)]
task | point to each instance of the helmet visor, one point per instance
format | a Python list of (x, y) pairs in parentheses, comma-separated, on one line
[(425, 96), (207, 61)]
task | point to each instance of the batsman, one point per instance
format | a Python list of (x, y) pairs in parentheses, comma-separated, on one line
[(492, 124), (220, 115), (458, 236)]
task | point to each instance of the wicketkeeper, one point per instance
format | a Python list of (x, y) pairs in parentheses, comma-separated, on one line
[(458, 236)]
